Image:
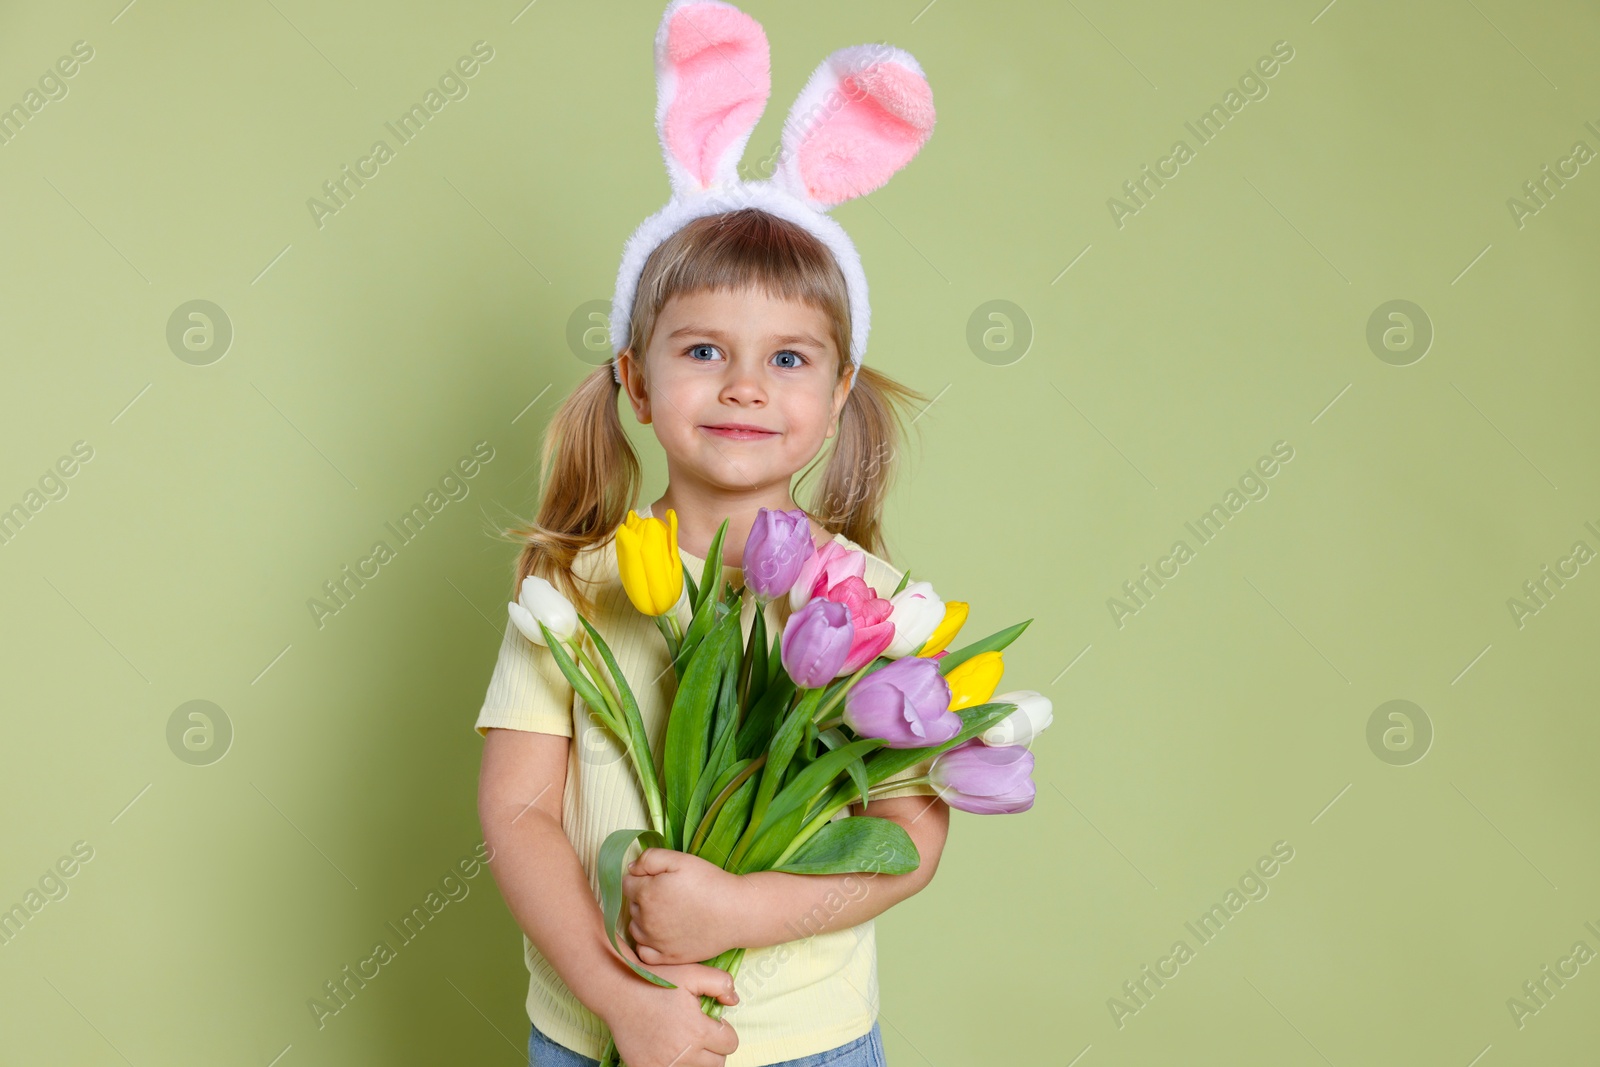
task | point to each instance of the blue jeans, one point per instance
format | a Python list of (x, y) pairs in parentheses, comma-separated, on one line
[(864, 1051)]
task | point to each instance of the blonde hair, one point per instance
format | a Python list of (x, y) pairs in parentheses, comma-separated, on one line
[(589, 473)]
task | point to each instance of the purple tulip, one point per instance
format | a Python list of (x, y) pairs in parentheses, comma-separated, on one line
[(982, 779), (816, 640), (906, 703), (779, 544)]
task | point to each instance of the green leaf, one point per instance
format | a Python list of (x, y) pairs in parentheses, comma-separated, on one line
[(719, 786), (711, 578), (727, 710), (770, 845), (993, 643), (775, 658), (755, 665), (705, 617), (730, 823), (612, 851), (905, 580), (859, 843), (811, 781), (633, 719), (835, 738), (755, 733), (721, 751), (688, 727), (728, 774), (858, 775), (785, 740)]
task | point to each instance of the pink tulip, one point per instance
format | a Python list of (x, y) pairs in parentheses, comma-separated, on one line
[(829, 566), (869, 613)]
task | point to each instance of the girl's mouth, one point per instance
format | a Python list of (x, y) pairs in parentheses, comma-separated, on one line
[(739, 432)]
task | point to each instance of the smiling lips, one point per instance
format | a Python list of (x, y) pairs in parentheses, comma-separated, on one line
[(739, 431)]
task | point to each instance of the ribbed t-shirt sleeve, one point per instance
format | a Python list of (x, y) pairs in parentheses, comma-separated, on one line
[(884, 578), (527, 691)]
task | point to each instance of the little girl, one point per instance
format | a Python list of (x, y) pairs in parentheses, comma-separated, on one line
[(739, 327)]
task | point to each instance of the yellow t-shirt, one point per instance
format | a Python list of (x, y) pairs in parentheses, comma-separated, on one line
[(795, 999)]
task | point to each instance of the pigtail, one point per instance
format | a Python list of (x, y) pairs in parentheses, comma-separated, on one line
[(589, 478), (868, 450)]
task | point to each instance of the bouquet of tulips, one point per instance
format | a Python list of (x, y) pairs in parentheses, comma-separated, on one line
[(766, 743)]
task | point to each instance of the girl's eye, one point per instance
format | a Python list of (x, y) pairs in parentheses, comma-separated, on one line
[(800, 360)]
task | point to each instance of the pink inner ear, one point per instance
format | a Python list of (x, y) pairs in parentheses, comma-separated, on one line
[(720, 58), (887, 117)]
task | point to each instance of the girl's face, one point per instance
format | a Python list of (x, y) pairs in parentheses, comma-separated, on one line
[(721, 357)]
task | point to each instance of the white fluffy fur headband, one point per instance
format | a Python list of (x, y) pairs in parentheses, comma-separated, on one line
[(864, 113)]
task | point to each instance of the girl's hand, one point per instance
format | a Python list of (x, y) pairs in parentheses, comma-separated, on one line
[(685, 909), (657, 1027)]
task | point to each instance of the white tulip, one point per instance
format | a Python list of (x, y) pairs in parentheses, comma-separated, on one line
[(1033, 714), (917, 612), (539, 602)]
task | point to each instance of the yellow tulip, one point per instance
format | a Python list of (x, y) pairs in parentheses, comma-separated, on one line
[(955, 616), (648, 561), (974, 681)]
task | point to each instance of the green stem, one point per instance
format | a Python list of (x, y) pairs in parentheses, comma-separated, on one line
[(602, 682), (729, 961), (839, 693), (612, 714), (884, 787), (830, 724), (674, 642)]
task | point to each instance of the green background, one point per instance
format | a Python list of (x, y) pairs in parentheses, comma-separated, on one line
[(1146, 368)]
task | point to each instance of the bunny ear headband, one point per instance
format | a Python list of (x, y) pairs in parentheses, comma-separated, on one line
[(864, 113)]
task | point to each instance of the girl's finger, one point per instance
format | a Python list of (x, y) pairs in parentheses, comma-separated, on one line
[(702, 980)]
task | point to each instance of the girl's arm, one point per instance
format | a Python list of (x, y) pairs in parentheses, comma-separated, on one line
[(520, 789), (686, 908)]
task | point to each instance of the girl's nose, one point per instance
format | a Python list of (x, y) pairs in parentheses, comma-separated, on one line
[(744, 382)]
